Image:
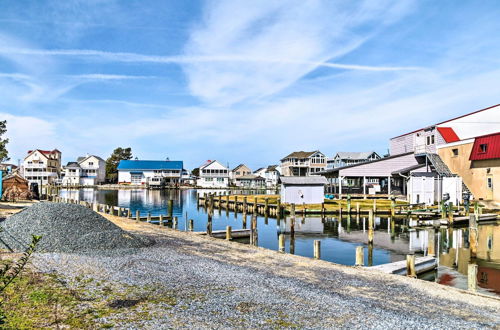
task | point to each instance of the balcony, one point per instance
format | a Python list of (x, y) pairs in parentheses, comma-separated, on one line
[(35, 165)]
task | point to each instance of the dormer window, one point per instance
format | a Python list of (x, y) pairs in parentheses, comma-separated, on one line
[(483, 148)]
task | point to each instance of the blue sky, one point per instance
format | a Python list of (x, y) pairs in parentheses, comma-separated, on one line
[(239, 81)]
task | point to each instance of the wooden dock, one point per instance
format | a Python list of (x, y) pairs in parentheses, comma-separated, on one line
[(422, 265), (235, 233)]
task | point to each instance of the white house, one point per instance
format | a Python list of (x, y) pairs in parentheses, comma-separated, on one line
[(42, 166), (271, 174), (213, 175), (154, 172), (250, 181), (298, 190), (89, 170)]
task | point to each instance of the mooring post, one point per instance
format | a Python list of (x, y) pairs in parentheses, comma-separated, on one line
[(227, 201), (235, 203), (393, 206), (161, 220), (292, 210), (357, 208), (137, 215), (149, 217), (266, 206), (255, 210), (473, 235), (253, 227), (228, 233), (374, 205), (410, 266), (348, 203), (175, 223), (220, 202), (472, 277), (191, 225), (245, 204), (170, 208), (281, 242), (129, 213), (323, 208), (360, 258), (317, 249)]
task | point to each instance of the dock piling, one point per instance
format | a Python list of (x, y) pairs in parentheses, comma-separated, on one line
[(281, 242), (228, 233), (191, 225), (137, 215), (472, 277), (360, 258), (317, 249), (410, 266)]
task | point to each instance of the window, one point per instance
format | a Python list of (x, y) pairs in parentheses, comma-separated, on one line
[(91, 163), (454, 152), (209, 179), (430, 140), (490, 183), (220, 179), (483, 148)]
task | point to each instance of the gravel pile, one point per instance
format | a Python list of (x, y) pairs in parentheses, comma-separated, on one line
[(65, 228)]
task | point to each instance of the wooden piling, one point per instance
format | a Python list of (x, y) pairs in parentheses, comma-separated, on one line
[(410, 266), (170, 208), (473, 235), (149, 217), (281, 242), (137, 215), (191, 225), (360, 258), (374, 206), (175, 223), (266, 206), (228, 233), (317, 249), (472, 277), (161, 220), (357, 208)]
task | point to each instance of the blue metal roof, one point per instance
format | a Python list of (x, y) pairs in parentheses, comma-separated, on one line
[(134, 165)]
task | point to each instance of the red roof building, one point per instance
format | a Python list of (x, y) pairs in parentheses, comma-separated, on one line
[(486, 147), (448, 134)]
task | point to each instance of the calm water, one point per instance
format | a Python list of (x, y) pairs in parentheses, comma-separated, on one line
[(393, 239)]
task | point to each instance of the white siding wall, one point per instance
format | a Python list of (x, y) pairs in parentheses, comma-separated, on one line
[(303, 194)]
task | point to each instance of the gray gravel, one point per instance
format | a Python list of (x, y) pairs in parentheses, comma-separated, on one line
[(187, 281), (65, 228)]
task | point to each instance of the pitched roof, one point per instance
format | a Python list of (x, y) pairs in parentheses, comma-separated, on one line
[(150, 165), (355, 155), (272, 168), (304, 180), (337, 169), (492, 142), (239, 166), (45, 152), (448, 134), (301, 154), (408, 169), (83, 158), (73, 164)]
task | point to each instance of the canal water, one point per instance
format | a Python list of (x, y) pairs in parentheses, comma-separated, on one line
[(393, 239)]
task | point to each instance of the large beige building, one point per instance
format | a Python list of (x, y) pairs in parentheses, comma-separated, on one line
[(303, 163), (477, 161)]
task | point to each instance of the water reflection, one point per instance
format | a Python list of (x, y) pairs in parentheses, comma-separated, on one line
[(393, 239)]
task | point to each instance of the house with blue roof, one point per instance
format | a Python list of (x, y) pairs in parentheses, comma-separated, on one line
[(150, 172)]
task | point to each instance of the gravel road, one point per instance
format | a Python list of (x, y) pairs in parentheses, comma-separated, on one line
[(185, 280)]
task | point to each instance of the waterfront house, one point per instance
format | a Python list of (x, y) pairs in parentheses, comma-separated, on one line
[(8, 168), (239, 171), (477, 161), (42, 166), (250, 181), (213, 175), (150, 172), (88, 170), (299, 190), (303, 163), (271, 174), (350, 158)]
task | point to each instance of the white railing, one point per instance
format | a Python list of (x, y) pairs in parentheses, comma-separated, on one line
[(35, 166), (40, 174), (420, 149)]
